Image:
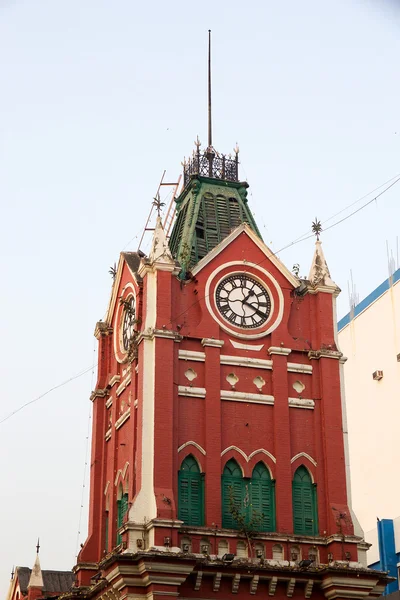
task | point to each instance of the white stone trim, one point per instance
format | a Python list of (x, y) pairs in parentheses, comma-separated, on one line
[(299, 368), (108, 433), (250, 456), (246, 397), (124, 384), (125, 469), (191, 392), (305, 455), (245, 361), (266, 281), (191, 355), (124, 417), (212, 342), (240, 346), (244, 228), (192, 443), (301, 403), (279, 350), (109, 402), (106, 488), (113, 380)]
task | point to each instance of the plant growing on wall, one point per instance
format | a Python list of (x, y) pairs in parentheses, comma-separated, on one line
[(248, 526)]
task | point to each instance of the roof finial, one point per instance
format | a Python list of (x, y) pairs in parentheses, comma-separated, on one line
[(12, 573), (316, 228), (209, 91), (37, 546)]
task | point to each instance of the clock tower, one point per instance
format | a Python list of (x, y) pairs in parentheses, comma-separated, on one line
[(219, 451), (219, 447)]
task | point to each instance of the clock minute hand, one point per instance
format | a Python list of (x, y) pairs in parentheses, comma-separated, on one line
[(256, 310)]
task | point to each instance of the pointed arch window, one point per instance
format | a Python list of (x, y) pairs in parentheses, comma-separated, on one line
[(305, 516), (262, 498), (122, 509), (254, 498), (190, 493)]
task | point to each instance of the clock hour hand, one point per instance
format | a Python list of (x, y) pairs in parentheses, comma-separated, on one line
[(256, 310)]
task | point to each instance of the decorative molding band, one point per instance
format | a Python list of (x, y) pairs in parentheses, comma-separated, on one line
[(108, 434), (240, 346), (245, 361), (305, 455), (124, 417), (192, 355), (299, 368), (324, 353), (106, 488), (250, 456), (191, 443), (123, 385), (114, 379), (246, 397), (98, 393), (102, 329), (109, 402), (191, 392), (301, 403), (279, 350), (212, 343)]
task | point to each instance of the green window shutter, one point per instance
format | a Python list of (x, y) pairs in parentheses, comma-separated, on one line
[(190, 493), (233, 491), (305, 518), (122, 509), (262, 499), (106, 533)]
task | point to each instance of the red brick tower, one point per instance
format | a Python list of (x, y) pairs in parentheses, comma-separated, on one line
[(218, 453)]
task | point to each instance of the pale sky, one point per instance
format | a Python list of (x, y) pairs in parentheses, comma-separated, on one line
[(97, 98)]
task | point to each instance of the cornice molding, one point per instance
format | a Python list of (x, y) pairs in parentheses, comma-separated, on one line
[(279, 350), (212, 342)]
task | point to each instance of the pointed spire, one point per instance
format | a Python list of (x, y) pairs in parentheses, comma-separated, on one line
[(319, 273), (209, 91), (160, 251), (36, 578)]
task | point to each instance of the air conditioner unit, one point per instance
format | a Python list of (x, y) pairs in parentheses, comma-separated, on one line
[(377, 375)]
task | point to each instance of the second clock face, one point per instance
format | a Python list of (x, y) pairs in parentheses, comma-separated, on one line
[(128, 322), (243, 301)]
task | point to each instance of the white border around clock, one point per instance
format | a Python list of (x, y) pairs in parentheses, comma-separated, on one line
[(270, 279)]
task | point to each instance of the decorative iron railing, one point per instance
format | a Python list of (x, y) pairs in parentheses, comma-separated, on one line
[(211, 164)]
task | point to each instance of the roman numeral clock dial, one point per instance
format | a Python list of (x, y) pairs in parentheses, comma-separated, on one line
[(243, 301)]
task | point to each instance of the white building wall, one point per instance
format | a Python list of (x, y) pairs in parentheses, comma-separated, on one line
[(371, 342)]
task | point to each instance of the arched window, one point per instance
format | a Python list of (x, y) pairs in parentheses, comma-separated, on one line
[(277, 552), (233, 494), (253, 499), (223, 548), (262, 499), (122, 509), (305, 519), (190, 493)]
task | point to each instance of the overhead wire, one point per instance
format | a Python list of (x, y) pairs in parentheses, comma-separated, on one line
[(294, 242)]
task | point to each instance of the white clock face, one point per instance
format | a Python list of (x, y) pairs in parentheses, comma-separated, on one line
[(243, 301), (128, 322)]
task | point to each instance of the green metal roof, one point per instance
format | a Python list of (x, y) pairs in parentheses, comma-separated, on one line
[(207, 211)]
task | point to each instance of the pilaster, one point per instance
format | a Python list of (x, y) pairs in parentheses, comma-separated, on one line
[(212, 350), (283, 491)]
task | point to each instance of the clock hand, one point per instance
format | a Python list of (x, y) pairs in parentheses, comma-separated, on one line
[(251, 293), (256, 310)]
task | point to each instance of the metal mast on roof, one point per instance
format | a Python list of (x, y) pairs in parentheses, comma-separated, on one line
[(209, 91)]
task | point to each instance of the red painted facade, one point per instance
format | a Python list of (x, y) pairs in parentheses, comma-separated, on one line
[(192, 386)]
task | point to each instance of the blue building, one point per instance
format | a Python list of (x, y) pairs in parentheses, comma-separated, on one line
[(384, 554)]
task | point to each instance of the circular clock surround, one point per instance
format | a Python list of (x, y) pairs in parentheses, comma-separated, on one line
[(243, 301), (267, 310)]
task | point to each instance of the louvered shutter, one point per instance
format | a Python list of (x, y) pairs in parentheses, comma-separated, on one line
[(305, 520), (190, 493), (262, 499), (106, 534), (231, 488)]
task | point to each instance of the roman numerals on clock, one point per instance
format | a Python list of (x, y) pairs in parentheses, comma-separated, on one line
[(243, 301)]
